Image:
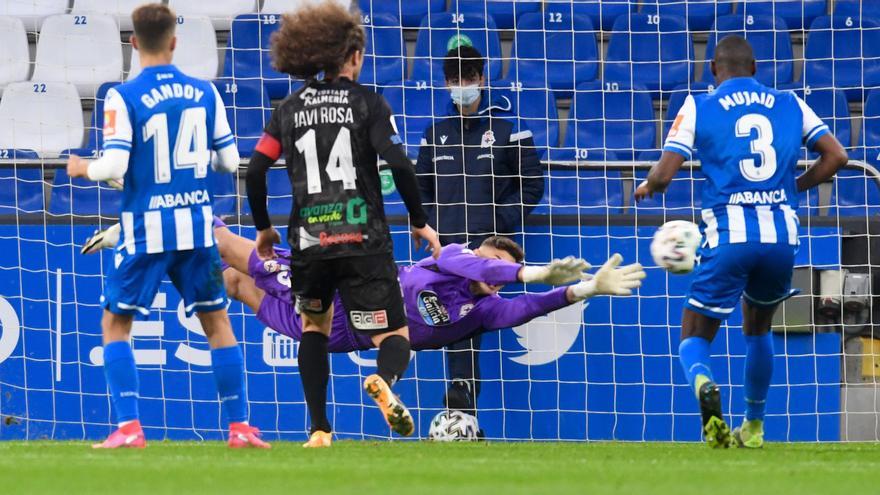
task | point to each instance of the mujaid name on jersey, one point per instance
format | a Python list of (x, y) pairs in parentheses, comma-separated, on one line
[(171, 90), (747, 98), (758, 197), (324, 115), (179, 199)]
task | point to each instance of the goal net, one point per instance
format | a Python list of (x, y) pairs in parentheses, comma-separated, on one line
[(595, 85)]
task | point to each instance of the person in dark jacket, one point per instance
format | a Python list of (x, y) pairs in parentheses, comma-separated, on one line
[(479, 175)]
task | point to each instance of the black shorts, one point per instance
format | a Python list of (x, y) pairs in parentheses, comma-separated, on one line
[(367, 285)]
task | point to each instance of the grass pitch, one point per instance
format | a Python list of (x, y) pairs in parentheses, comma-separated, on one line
[(405, 468)]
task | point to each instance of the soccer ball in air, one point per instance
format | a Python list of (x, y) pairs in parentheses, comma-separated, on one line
[(675, 244), (451, 426)]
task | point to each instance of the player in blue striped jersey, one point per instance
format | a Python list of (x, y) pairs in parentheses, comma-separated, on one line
[(748, 137), (160, 130)]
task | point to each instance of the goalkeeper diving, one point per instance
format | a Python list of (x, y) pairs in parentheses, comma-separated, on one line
[(447, 299)]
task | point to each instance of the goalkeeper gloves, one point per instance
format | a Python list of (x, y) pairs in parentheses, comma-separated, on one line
[(609, 280), (558, 272)]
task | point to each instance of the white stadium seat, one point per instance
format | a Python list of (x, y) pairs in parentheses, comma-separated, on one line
[(282, 6), (32, 12), (196, 52), (221, 12), (118, 9), (42, 116), (15, 62), (82, 49)]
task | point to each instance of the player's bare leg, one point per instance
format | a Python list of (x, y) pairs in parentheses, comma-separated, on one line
[(230, 377), (121, 374), (697, 331), (392, 361), (243, 289), (757, 321), (234, 249), (314, 371)]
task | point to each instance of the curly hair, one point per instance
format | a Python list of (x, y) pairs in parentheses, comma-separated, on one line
[(316, 38)]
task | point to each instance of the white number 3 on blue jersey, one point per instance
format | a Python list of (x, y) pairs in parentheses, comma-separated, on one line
[(761, 145)]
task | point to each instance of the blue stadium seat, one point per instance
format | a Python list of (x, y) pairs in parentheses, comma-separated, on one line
[(384, 53), (844, 53), (770, 40), (608, 124), (506, 13), (700, 14), (649, 51), (21, 189), (602, 13), (247, 53), (684, 195), (581, 190), (797, 14), (536, 108), (857, 8), (831, 106), (441, 32), (554, 49), (868, 148), (279, 192), (247, 109), (415, 106), (82, 197), (854, 194), (410, 12)]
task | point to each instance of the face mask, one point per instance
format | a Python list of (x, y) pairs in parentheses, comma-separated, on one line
[(464, 95)]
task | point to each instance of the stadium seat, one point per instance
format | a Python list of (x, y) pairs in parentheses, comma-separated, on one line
[(15, 60), (410, 12), (196, 51), (650, 51), (221, 12), (868, 148), (857, 8), (441, 32), (384, 52), (21, 189), (33, 12), (85, 50), (247, 53), (44, 117), (248, 110), (831, 106), (555, 50), (797, 14), (118, 9), (81, 196), (279, 193), (283, 6), (415, 106), (608, 124), (843, 53), (506, 13), (602, 13), (95, 131), (684, 195), (700, 14), (854, 194), (770, 40), (581, 190), (536, 109)]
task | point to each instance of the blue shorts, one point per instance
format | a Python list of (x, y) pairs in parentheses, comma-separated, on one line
[(133, 282), (759, 272)]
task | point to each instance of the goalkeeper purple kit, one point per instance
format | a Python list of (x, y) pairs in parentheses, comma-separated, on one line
[(440, 306)]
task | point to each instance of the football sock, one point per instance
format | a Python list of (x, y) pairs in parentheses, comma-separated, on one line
[(393, 358), (758, 371), (228, 366), (122, 379), (693, 353), (314, 371)]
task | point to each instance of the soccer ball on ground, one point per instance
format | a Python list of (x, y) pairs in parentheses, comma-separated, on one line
[(451, 426), (675, 244)]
